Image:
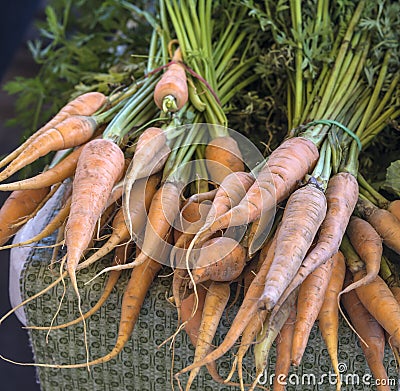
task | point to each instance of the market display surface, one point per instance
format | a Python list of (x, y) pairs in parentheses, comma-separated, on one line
[(227, 201)]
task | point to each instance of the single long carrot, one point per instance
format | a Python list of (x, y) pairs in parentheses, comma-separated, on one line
[(171, 92), (368, 245), (245, 313), (19, 204), (149, 158), (223, 157), (341, 197), (328, 317), (215, 302), (63, 170), (384, 222), (71, 132), (394, 208), (371, 332), (85, 104), (378, 299), (310, 299), (287, 165), (99, 167), (283, 344), (304, 212), (220, 259)]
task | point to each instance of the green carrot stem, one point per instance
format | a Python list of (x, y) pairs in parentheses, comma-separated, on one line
[(326, 97), (227, 96), (317, 172), (379, 199)]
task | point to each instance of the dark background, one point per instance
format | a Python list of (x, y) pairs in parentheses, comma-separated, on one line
[(16, 27)]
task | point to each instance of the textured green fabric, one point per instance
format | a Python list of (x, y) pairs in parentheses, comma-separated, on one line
[(142, 366)]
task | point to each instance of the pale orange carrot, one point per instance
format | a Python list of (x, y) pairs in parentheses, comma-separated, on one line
[(304, 212), (368, 245), (328, 317), (309, 302), (370, 331), (215, 302), (394, 208)]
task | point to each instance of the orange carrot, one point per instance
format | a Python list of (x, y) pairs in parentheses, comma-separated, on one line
[(56, 174), (283, 351), (231, 191), (201, 197), (394, 208), (215, 302), (368, 246), (370, 331), (223, 157), (86, 105), (244, 315), (171, 92), (379, 301), (220, 259), (309, 302), (55, 223), (150, 155), (99, 167), (328, 317), (287, 165), (303, 215), (71, 132), (384, 222), (341, 196), (19, 204), (163, 211)]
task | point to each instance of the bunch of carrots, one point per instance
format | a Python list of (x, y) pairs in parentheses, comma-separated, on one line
[(302, 231)]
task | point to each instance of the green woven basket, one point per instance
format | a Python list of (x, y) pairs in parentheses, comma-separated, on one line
[(143, 365)]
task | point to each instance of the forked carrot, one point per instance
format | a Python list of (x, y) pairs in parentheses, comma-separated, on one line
[(384, 222), (171, 92), (287, 165), (304, 212), (341, 196), (371, 332), (328, 317), (223, 157), (215, 302), (368, 245), (19, 204), (379, 301), (85, 104), (283, 351), (311, 296), (71, 132), (245, 313)]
